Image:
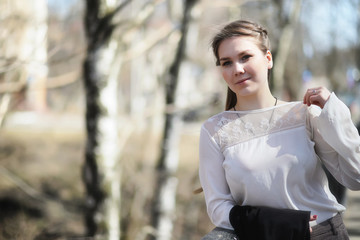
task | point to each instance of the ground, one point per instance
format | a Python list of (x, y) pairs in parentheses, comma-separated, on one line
[(42, 194)]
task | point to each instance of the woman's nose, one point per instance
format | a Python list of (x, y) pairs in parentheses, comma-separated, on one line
[(239, 68)]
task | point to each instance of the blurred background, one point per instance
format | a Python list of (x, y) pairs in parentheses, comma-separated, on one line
[(101, 103)]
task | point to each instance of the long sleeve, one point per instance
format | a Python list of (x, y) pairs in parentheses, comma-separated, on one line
[(337, 141), (212, 177)]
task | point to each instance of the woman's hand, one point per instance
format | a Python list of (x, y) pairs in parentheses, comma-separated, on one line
[(312, 218), (317, 96)]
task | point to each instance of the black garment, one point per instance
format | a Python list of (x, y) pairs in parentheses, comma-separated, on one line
[(269, 223), (331, 229)]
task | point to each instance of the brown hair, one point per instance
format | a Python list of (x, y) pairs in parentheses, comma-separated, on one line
[(237, 29)]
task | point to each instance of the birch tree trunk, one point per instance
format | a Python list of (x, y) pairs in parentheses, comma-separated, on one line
[(23, 54), (284, 47), (163, 208), (101, 171), (34, 52)]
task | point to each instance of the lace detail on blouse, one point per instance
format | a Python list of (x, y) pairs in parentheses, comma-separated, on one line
[(232, 127)]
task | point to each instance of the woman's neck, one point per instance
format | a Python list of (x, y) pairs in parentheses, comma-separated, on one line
[(252, 102)]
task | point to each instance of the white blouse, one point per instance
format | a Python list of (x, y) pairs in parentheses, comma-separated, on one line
[(273, 157)]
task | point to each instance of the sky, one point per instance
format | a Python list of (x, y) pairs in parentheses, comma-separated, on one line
[(331, 23), (62, 6)]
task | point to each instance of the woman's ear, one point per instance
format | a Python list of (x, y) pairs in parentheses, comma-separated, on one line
[(269, 59)]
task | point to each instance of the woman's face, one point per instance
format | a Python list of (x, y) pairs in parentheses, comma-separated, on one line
[(243, 65)]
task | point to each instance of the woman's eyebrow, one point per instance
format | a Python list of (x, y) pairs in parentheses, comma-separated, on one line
[(224, 59), (239, 54)]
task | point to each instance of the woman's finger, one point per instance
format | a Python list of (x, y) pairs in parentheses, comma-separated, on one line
[(310, 92), (312, 218), (316, 96)]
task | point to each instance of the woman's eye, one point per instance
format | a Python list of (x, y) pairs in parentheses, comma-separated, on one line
[(245, 57), (227, 63)]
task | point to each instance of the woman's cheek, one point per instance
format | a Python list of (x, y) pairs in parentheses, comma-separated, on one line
[(226, 75)]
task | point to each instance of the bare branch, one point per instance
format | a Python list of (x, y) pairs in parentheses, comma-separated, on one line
[(26, 188), (146, 11), (117, 9), (148, 43), (4, 107), (67, 58), (63, 80), (53, 82), (10, 64), (12, 87)]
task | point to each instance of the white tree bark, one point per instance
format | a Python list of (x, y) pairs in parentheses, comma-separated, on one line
[(168, 205), (102, 173), (165, 194), (108, 148), (34, 52), (284, 47)]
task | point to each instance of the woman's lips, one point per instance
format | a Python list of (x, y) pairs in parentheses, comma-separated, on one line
[(242, 80)]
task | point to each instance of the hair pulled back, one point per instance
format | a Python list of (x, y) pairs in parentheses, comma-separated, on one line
[(239, 28)]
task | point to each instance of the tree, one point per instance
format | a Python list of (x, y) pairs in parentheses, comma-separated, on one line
[(23, 53), (288, 25), (35, 49), (101, 170), (165, 193)]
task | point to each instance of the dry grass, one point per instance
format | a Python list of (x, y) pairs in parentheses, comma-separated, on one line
[(51, 165)]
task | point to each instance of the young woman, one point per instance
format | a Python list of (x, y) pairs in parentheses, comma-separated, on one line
[(263, 152)]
